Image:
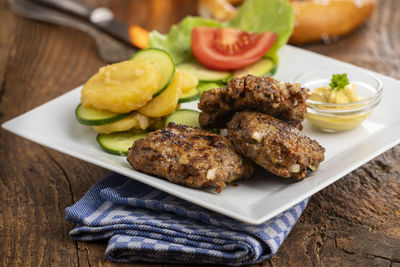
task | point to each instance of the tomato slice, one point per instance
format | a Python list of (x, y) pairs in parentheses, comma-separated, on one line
[(229, 48)]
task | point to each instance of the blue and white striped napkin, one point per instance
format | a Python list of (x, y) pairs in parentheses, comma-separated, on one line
[(145, 224)]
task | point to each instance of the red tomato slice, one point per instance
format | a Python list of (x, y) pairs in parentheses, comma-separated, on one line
[(229, 48)]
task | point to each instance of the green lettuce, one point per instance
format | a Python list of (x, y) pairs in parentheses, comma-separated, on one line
[(177, 41), (253, 16), (266, 15)]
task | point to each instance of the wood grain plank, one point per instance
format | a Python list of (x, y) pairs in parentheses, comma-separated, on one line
[(36, 197), (36, 189), (6, 46), (354, 222)]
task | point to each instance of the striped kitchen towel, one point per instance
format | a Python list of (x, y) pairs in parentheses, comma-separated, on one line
[(145, 224)]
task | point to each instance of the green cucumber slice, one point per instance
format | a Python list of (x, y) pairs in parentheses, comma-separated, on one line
[(192, 95), (273, 70), (119, 143), (95, 117), (163, 61), (204, 74), (259, 68), (203, 86), (184, 116)]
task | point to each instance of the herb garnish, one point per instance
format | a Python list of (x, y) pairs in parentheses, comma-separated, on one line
[(339, 81)]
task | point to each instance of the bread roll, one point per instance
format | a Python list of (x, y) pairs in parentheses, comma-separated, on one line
[(315, 20)]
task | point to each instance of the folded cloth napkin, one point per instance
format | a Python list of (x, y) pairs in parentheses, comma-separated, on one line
[(146, 224)]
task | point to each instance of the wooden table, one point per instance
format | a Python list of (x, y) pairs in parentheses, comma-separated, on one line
[(354, 222)]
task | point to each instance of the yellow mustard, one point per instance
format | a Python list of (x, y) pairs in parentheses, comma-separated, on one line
[(336, 122), (325, 94)]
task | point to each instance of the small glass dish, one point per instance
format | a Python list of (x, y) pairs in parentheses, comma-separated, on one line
[(331, 117)]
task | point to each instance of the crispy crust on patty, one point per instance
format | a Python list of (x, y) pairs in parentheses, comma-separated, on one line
[(275, 145), (249, 93), (189, 156)]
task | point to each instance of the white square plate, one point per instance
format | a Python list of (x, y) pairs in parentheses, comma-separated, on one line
[(255, 200)]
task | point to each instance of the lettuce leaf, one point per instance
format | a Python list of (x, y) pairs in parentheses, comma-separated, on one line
[(177, 41), (253, 16), (266, 15)]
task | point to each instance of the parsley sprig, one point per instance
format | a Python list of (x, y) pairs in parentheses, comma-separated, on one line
[(339, 81)]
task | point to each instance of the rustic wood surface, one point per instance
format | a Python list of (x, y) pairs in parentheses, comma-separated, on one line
[(354, 222)]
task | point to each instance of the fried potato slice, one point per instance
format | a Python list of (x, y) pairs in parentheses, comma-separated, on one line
[(121, 87), (166, 102), (134, 120), (189, 81)]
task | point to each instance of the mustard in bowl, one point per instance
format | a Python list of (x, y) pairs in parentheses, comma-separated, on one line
[(340, 100)]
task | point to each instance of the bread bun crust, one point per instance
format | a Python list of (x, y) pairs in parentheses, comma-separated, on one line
[(315, 20), (221, 10), (318, 20)]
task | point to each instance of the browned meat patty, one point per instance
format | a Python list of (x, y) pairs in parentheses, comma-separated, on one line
[(189, 156), (275, 145), (281, 100)]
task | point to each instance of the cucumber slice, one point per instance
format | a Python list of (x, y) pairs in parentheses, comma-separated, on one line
[(184, 116), (163, 61), (95, 117), (192, 95), (119, 143), (273, 70), (207, 86), (260, 68), (204, 74)]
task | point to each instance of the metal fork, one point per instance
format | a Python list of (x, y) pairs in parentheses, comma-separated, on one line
[(109, 49)]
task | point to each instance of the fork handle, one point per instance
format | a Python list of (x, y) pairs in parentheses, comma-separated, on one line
[(70, 6)]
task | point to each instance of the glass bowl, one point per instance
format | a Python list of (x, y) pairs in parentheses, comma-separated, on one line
[(341, 117)]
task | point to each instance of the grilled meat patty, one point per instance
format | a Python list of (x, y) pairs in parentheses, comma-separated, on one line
[(281, 100), (275, 145), (189, 156)]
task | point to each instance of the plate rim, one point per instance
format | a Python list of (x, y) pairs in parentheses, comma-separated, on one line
[(247, 218)]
